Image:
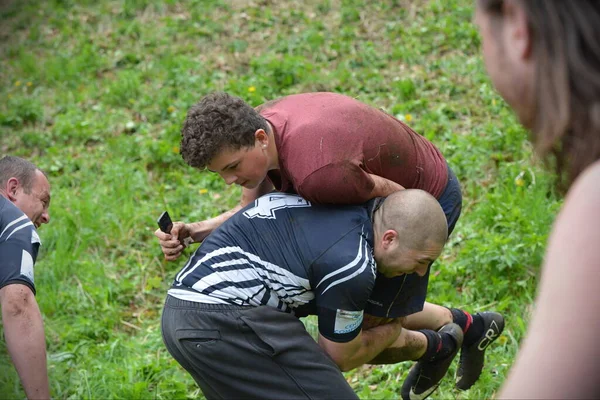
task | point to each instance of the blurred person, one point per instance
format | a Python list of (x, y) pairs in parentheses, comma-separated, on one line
[(231, 315), (543, 56), (331, 149), (24, 202)]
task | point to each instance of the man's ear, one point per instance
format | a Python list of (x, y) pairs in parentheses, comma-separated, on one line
[(262, 138), (12, 186), (389, 238)]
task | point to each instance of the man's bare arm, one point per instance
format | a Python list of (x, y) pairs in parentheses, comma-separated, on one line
[(172, 244), (383, 187), (363, 348), (555, 362), (25, 340), (199, 230)]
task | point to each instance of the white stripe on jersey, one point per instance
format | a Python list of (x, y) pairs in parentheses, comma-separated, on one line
[(18, 228), (351, 264), (366, 261), (282, 287), (283, 275), (27, 265), (12, 223), (195, 296)]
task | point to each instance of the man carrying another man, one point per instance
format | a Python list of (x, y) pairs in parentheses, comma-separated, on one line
[(24, 202), (231, 316), (332, 149)]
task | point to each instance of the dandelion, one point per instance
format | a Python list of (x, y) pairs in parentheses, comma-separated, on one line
[(18, 83), (175, 149), (170, 109), (203, 191), (408, 117), (29, 84), (502, 340), (251, 89), (519, 182)]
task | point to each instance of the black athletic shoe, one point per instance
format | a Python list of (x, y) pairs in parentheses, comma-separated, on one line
[(425, 376), (471, 357)]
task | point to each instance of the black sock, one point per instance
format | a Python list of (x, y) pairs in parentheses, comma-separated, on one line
[(460, 318), (475, 331), (438, 345)]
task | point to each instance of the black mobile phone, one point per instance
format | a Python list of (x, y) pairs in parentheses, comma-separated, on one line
[(164, 222)]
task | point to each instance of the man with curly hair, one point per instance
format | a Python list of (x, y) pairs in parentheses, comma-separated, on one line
[(331, 149)]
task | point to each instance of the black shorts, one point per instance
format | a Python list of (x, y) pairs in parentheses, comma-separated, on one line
[(405, 295), (236, 352)]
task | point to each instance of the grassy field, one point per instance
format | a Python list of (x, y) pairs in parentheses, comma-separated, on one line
[(95, 92)]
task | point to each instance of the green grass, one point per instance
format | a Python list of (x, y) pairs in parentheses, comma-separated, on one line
[(95, 93)]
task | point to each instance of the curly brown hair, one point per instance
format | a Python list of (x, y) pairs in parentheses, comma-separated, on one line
[(217, 122), (566, 46)]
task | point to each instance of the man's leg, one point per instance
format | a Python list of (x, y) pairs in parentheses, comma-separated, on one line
[(479, 331), (249, 352), (434, 351), (432, 317)]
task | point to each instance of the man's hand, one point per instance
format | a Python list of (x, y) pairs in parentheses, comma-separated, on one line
[(172, 244), (25, 340)]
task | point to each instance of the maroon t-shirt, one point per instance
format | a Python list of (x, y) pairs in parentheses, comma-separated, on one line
[(328, 144)]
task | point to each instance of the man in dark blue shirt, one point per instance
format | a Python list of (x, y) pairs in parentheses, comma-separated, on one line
[(231, 316), (24, 202)]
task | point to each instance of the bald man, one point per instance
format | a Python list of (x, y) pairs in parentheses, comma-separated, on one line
[(231, 315), (24, 202)]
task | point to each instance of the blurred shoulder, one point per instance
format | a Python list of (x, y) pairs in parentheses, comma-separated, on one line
[(585, 191), (576, 234)]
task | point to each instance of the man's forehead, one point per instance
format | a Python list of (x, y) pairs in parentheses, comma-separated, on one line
[(223, 158), (41, 183)]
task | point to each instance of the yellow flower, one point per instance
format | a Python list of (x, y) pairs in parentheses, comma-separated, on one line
[(175, 149), (519, 182), (251, 89), (502, 340), (171, 109), (28, 83), (203, 191), (18, 83), (408, 117), (494, 102)]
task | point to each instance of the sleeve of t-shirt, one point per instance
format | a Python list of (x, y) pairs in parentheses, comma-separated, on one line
[(18, 252), (343, 182), (346, 275)]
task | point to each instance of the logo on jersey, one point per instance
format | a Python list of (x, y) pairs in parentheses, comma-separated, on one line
[(265, 206), (377, 303), (347, 321)]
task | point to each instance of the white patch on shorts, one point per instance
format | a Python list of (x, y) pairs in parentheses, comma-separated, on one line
[(347, 321)]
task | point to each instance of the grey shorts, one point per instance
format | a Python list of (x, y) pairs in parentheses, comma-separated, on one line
[(235, 352)]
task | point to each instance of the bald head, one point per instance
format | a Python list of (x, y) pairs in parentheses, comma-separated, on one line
[(415, 215)]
